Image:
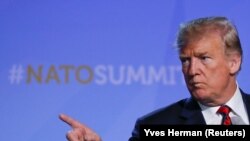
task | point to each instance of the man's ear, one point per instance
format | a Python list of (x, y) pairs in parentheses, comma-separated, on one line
[(234, 62)]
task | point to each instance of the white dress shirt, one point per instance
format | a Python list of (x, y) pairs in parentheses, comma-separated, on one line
[(238, 114)]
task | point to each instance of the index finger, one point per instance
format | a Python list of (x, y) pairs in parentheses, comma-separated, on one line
[(70, 121)]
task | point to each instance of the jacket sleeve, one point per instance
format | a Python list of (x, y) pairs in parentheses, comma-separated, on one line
[(136, 132)]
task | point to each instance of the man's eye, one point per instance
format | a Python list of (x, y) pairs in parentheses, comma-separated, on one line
[(185, 61), (205, 58)]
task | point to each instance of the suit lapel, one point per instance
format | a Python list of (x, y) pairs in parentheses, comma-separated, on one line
[(246, 99), (192, 113)]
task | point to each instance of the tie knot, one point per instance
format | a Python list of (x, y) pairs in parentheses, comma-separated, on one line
[(224, 109)]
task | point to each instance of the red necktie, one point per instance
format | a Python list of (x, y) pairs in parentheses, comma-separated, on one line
[(225, 110)]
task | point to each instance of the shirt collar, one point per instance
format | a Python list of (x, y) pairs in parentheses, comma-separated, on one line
[(235, 103)]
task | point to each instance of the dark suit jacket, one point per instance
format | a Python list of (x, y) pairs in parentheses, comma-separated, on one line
[(183, 112)]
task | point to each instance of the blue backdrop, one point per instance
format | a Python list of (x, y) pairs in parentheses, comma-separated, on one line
[(105, 63)]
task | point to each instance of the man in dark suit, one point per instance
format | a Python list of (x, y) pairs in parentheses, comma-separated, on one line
[(211, 57)]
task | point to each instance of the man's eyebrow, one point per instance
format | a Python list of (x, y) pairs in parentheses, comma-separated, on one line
[(183, 56), (201, 53)]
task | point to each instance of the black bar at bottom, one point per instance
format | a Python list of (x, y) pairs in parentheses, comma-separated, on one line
[(201, 132)]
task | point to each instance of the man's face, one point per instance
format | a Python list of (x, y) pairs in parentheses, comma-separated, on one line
[(206, 69)]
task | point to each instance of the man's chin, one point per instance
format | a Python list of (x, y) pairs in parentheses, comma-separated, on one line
[(200, 95), (204, 99)]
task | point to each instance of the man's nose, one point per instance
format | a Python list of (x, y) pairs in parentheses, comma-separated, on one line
[(193, 67)]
